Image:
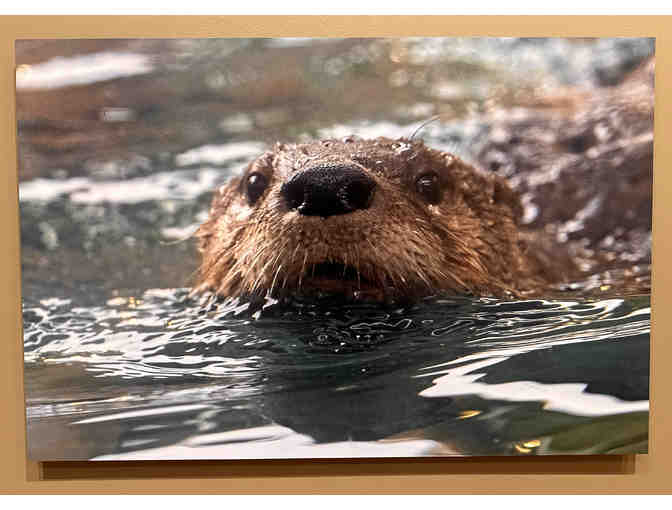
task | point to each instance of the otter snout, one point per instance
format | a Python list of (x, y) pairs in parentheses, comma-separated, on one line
[(328, 190)]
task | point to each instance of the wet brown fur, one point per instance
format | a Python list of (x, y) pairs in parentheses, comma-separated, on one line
[(401, 246)]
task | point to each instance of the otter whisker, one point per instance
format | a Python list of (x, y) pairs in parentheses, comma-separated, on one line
[(277, 271), (256, 283), (179, 240), (423, 125), (296, 249), (269, 263), (422, 276), (260, 253), (303, 267)]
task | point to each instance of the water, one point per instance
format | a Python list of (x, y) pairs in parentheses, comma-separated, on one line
[(120, 363), (162, 376)]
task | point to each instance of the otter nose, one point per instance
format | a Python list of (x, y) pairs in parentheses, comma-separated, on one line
[(328, 190)]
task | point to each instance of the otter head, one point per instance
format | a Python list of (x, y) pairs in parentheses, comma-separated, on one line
[(374, 218)]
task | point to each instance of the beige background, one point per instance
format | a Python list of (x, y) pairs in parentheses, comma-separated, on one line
[(588, 474)]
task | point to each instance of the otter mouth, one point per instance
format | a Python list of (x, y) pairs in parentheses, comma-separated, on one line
[(334, 277)]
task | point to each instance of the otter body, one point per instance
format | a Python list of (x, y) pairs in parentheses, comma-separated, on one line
[(377, 218)]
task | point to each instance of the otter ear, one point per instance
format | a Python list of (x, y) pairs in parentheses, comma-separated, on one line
[(502, 194)]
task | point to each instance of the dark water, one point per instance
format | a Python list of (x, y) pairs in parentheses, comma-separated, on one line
[(116, 167), (160, 376)]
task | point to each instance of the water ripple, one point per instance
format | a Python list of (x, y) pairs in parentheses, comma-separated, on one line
[(332, 371)]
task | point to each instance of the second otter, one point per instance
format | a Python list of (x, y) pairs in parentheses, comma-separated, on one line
[(375, 218)]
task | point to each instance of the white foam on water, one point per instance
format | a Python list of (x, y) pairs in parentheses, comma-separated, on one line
[(49, 189), (562, 397), (66, 71), (274, 442), (179, 184), (219, 154)]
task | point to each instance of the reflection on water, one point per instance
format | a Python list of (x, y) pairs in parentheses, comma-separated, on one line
[(120, 146), (160, 376)]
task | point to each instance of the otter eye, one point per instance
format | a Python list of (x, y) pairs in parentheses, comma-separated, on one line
[(256, 185), (429, 187)]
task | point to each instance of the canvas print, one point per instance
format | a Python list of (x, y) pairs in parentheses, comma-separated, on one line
[(274, 248)]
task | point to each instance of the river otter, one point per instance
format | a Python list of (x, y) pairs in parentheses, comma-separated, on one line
[(389, 218), (377, 219)]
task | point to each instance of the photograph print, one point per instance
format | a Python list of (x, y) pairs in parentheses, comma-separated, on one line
[(282, 248)]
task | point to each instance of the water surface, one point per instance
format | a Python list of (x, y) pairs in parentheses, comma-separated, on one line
[(161, 376)]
